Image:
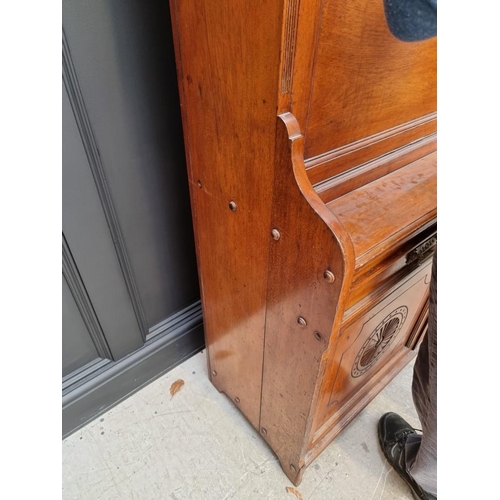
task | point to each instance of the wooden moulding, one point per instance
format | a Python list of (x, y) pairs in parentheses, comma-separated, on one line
[(344, 182), (398, 141)]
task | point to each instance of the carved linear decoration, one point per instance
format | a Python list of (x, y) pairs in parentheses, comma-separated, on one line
[(335, 162), (367, 141), (346, 181), (380, 339), (289, 42), (89, 143)]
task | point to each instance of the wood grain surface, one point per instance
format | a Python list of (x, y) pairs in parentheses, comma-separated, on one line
[(384, 211), (228, 66), (310, 137), (312, 242), (364, 80)]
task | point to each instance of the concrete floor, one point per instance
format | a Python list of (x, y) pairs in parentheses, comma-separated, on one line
[(196, 445)]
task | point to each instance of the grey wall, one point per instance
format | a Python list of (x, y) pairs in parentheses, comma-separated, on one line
[(126, 213)]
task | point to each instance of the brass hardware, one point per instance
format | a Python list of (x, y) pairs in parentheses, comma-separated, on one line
[(276, 234), (329, 276), (232, 206), (422, 251), (301, 321)]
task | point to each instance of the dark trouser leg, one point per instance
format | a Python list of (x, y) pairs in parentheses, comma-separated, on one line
[(421, 451)]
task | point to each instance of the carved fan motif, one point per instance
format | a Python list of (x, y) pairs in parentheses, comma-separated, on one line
[(379, 341)]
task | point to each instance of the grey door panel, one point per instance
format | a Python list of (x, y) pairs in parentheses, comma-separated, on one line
[(86, 231), (130, 292), (77, 346), (125, 64)]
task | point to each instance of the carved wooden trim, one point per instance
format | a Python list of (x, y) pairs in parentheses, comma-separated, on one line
[(289, 44), (340, 419), (82, 300), (401, 312), (363, 306), (82, 120), (378, 341), (354, 178), (378, 274), (309, 22), (336, 161), (366, 141)]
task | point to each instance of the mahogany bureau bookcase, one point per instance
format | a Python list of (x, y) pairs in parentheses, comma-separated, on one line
[(310, 136)]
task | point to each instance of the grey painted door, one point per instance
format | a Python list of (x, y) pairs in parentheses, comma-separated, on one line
[(130, 293)]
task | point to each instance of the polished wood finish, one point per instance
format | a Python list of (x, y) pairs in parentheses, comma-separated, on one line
[(365, 81), (310, 139), (228, 68), (380, 214)]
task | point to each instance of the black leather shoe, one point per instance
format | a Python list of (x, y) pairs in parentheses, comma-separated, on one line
[(393, 431)]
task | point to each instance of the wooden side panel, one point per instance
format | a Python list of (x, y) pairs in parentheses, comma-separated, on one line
[(302, 304), (228, 63), (365, 81)]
